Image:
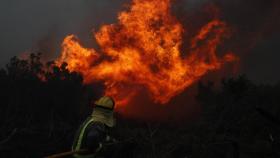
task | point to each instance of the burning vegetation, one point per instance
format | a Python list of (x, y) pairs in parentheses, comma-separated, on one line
[(42, 105), (142, 52)]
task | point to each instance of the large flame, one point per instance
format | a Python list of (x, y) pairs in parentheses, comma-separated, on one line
[(142, 51)]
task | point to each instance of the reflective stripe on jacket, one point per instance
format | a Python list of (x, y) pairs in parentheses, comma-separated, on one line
[(89, 136)]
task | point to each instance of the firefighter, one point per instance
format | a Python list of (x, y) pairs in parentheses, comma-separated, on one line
[(93, 134)]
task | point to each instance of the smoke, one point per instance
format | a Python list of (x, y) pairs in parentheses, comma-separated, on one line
[(256, 37), (24, 24), (182, 108), (255, 31)]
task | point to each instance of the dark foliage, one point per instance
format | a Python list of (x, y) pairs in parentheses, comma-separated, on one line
[(43, 104)]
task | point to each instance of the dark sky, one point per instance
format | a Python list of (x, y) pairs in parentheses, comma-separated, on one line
[(28, 24), (25, 23), (257, 36)]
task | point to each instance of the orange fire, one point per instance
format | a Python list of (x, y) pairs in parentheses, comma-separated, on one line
[(143, 52)]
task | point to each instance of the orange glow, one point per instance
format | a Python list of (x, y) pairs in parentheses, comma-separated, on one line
[(142, 52)]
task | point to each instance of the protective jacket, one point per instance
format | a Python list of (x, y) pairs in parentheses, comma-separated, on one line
[(93, 134), (90, 136)]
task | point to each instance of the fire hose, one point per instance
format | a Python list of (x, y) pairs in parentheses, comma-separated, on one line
[(59, 155), (82, 151)]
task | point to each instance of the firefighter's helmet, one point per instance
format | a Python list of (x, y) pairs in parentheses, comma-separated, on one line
[(104, 111), (105, 102)]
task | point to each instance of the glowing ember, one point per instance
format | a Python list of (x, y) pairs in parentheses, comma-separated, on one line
[(142, 51)]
